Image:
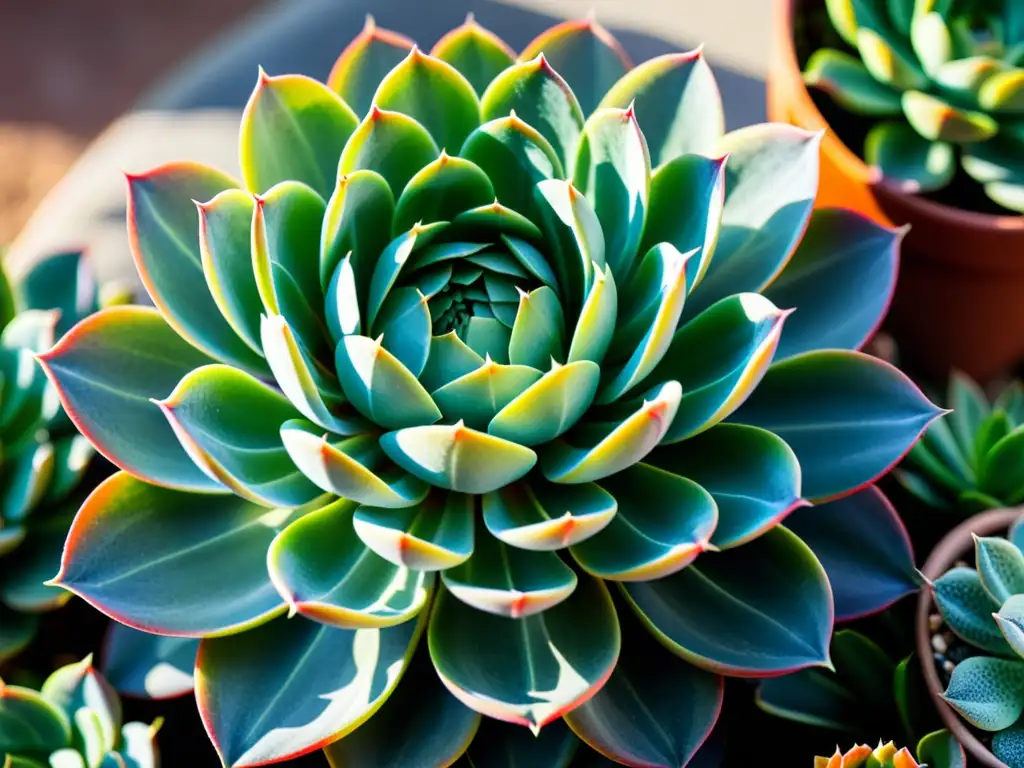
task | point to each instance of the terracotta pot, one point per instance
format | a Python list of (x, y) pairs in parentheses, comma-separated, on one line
[(956, 545), (958, 301)]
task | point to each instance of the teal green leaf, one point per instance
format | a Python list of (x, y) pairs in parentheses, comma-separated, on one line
[(538, 334), (532, 260), (106, 370), (432, 536), (773, 589), (326, 574), (163, 226), (551, 661), (892, 65), (375, 147), (393, 260), (364, 63), (848, 417), (1007, 745), (433, 93), (476, 397), (677, 104), (1000, 567), (932, 40), (967, 608), (148, 666), (848, 82), (938, 120), (550, 406), (987, 692), (26, 478), (752, 475), (404, 325), (969, 408), (479, 54), (63, 281), (440, 191), (596, 324), (999, 474), (293, 129), (1010, 619), (1003, 92), (857, 259), (197, 565), (318, 684), (509, 581), (79, 686), (906, 158), (653, 534), (16, 631), (24, 585), (457, 457), (448, 359), (357, 222), (495, 219), (539, 515), (29, 723)]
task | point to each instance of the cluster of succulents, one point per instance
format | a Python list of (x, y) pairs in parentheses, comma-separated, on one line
[(476, 338), (43, 458), (984, 607), (937, 750), (970, 460), (73, 721), (945, 81)]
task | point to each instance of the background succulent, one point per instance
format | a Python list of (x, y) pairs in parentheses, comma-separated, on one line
[(984, 606), (73, 721), (455, 324), (944, 80), (43, 457), (972, 458), (937, 750)]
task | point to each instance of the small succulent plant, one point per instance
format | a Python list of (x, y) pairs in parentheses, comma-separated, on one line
[(971, 460), (476, 337), (936, 750), (73, 721), (43, 458), (944, 78), (984, 606)]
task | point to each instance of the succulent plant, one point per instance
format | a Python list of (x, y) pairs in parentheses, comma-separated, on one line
[(453, 358), (73, 721), (943, 78), (937, 750), (984, 606), (43, 457), (971, 459)]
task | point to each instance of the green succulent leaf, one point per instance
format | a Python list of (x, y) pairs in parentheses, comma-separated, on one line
[(848, 82), (938, 120), (892, 65), (374, 147), (357, 223), (396, 257), (477, 53), (843, 15), (162, 226), (8, 300), (932, 40), (319, 683), (967, 608), (999, 472), (440, 191), (63, 281), (22, 585), (106, 370), (197, 569), (1007, 745), (806, 400), (31, 724), (596, 324), (325, 573), (1010, 619), (677, 104), (904, 156), (148, 666), (969, 408), (364, 63), (477, 397), (1003, 92), (538, 333), (537, 515), (707, 612), (26, 478), (552, 661), (1000, 567), (293, 128), (987, 692), (857, 260), (79, 686), (16, 631)]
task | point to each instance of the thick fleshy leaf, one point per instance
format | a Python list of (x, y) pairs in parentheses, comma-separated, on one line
[(435, 94), (16, 631), (618, 445), (448, 359), (163, 226), (318, 683), (887, 58), (653, 534), (551, 661), (419, 724), (538, 333), (539, 515), (29, 723), (389, 264), (773, 589), (847, 416), (479, 54), (325, 573), (938, 120), (441, 191), (752, 475), (23, 585), (106, 370), (677, 104), (863, 547), (550, 406), (148, 666), (63, 281), (374, 146), (1003, 92), (503, 745), (77, 687), (848, 82), (364, 63), (906, 158), (457, 457), (587, 56), (987, 692), (596, 324), (840, 280), (357, 223), (771, 179), (538, 94), (1011, 623), (293, 129), (26, 478), (434, 535), (967, 608), (509, 581), (172, 563), (1000, 567), (8, 301), (655, 710), (404, 325), (229, 423), (999, 473), (476, 397)]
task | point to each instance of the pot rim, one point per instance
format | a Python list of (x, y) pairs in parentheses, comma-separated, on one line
[(785, 58), (951, 548)]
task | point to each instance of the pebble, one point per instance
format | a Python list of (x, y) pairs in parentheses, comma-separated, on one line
[(939, 644), (934, 622), (948, 666)]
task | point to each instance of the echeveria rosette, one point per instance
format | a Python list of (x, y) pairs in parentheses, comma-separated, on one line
[(454, 359), (73, 721), (945, 81), (936, 750), (974, 459), (984, 606), (43, 459)]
